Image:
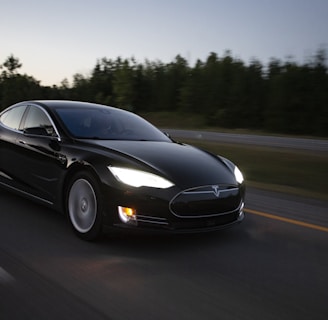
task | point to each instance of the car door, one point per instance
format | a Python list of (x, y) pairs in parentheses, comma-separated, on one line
[(41, 162)]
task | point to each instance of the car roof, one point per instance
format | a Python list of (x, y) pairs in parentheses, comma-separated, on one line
[(64, 103)]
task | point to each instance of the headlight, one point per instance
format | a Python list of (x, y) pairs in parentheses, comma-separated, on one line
[(137, 178), (238, 175)]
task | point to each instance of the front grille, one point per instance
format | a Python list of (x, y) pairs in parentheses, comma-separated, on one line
[(206, 223), (206, 201)]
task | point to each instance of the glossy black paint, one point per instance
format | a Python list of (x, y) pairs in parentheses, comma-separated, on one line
[(40, 163)]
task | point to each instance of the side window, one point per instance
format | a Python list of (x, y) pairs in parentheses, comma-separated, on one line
[(13, 117), (37, 122)]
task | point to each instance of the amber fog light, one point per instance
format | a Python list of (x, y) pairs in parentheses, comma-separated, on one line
[(127, 215)]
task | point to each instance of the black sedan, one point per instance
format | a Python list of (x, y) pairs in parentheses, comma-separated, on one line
[(104, 166)]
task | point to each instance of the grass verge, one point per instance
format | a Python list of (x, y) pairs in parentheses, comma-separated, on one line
[(197, 121)]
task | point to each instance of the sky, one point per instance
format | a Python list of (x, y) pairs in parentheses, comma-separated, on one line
[(55, 39)]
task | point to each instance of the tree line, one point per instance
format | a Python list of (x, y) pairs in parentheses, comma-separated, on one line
[(281, 97)]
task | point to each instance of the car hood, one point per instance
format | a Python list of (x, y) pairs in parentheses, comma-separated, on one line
[(184, 165)]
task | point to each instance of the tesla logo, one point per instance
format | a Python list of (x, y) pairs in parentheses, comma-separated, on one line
[(216, 191)]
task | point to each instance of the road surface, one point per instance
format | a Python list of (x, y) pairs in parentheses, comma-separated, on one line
[(264, 268), (269, 141)]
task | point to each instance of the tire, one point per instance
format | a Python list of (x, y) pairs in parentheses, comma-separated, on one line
[(84, 206)]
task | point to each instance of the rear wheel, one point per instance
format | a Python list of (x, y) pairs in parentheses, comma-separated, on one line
[(84, 206)]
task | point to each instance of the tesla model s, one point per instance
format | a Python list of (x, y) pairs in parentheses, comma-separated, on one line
[(104, 166)]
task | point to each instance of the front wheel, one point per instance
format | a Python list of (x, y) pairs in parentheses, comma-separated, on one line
[(84, 206)]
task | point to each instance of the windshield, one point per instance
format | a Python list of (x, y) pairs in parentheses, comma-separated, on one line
[(106, 123)]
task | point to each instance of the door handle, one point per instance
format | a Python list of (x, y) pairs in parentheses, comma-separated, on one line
[(22, 141)]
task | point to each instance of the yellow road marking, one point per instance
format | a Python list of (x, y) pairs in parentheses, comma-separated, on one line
[(292, 221)]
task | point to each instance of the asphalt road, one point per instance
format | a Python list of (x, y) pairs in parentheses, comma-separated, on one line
[(264, 268), (270, 141)]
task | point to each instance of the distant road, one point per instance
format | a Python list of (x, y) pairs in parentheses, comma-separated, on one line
[(270, 141)]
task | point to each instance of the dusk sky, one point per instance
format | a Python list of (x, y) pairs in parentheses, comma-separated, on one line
[(56, 39)]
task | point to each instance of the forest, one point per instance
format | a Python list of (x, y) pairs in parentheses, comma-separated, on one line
[(282, 97)]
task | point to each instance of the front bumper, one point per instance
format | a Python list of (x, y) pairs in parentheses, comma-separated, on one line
[(168, 211), (191, 226)]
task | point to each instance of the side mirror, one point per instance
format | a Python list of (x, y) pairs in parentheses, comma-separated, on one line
[(168, 135)]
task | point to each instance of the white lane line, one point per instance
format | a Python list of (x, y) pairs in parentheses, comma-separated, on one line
[(5, 277)]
